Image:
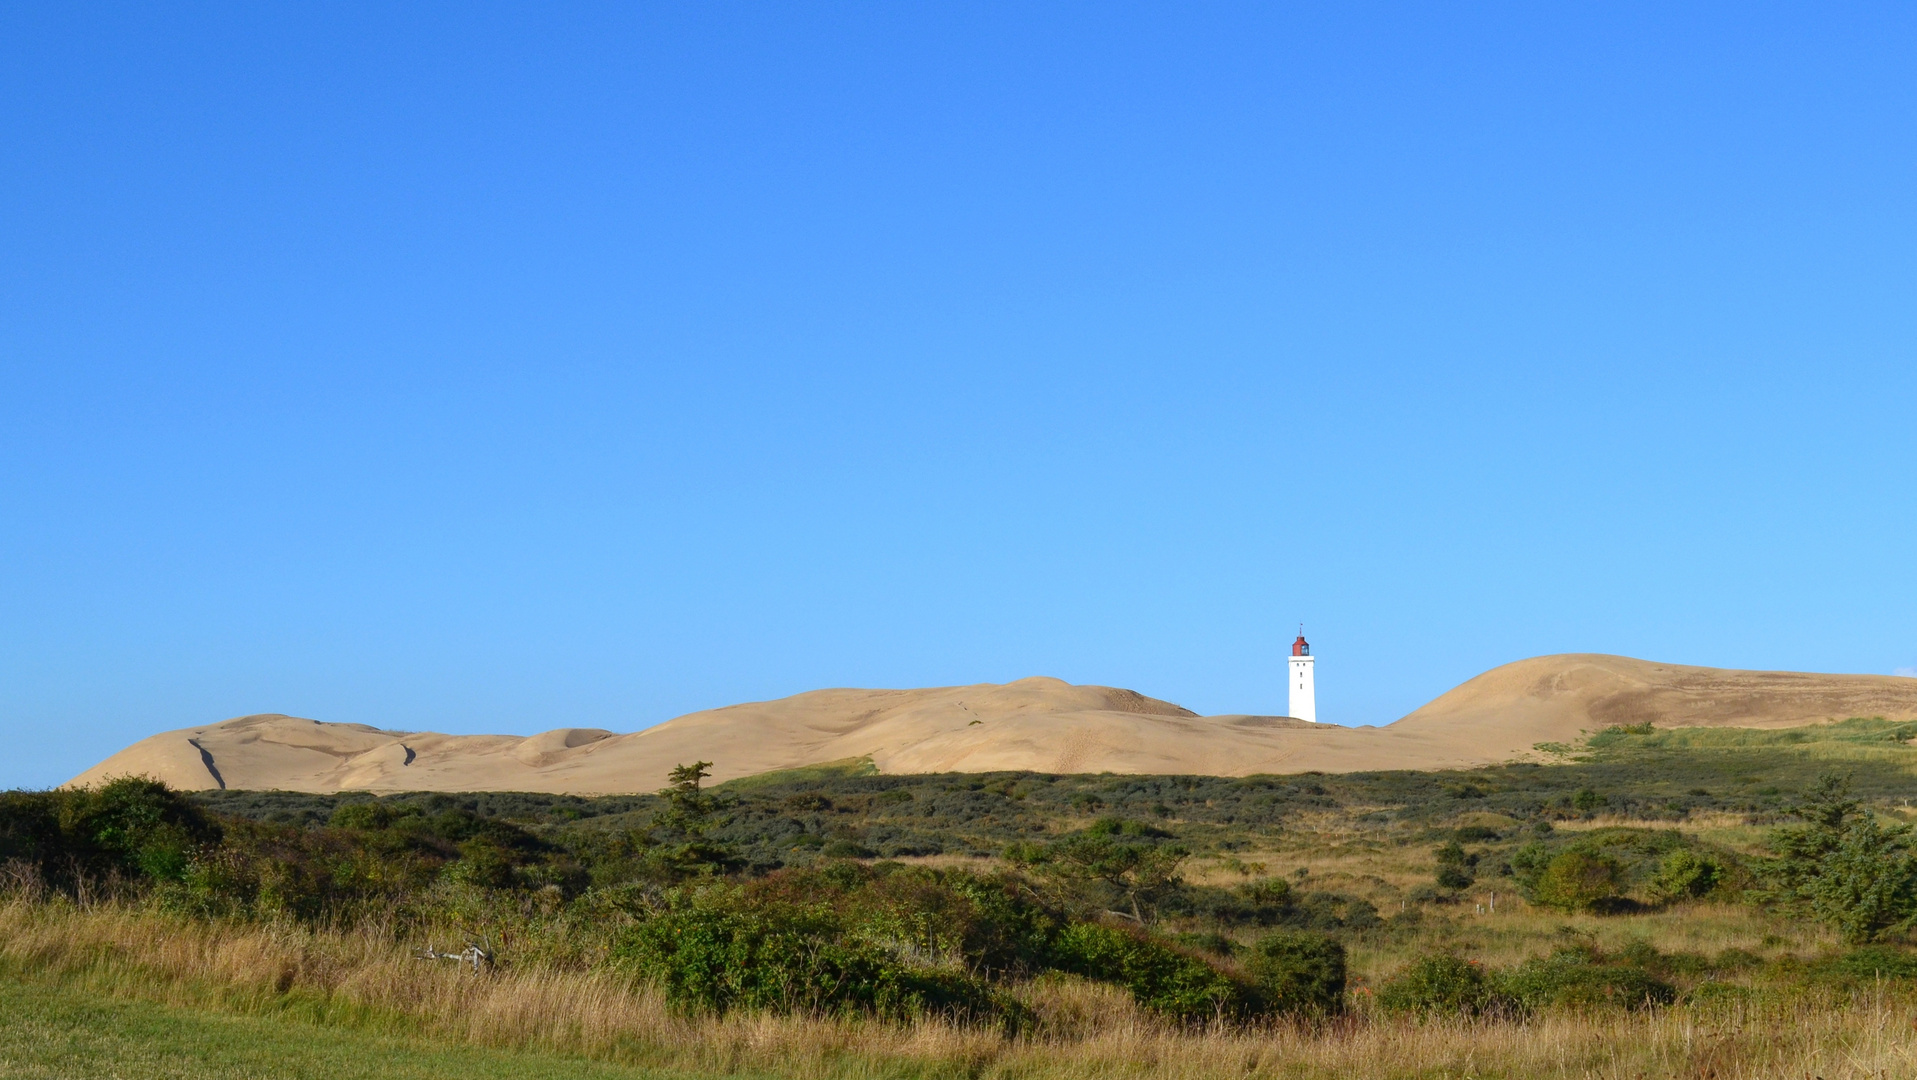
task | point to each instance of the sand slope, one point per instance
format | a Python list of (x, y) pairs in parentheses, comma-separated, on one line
[(1039, 724)]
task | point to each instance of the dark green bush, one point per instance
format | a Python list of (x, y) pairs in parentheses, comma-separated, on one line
[(1867, 887), (1454, 866), (373, 815), (30, 833), (1103, 872), (1298, 973), (217, 882), (1160, 979), (1686, 875), (1274, 890), (1442, 985), (986, 923), (1206, 941), (1583, 979), (1869, 963), (1718, 993), (981, 923), (846, 849), (714, 954), (1845, 868), (483, 863), (1116, 827), (1528, 862), (1578, 881), (131, 829)]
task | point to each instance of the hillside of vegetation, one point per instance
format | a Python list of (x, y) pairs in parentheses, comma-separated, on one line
[(1032, 725), (840, 921)]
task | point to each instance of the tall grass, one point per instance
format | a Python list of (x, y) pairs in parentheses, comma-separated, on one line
[(368, 980)]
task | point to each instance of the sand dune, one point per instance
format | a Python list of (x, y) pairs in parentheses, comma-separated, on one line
[(1038, 724)]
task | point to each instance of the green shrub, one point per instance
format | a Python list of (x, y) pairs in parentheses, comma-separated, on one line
[(1454, 866), (371, 815), (1274, 891), (846, 849), (481, 863), (1206, 941), (1106, 872), (1160, 979), (1442, 985), (217, 882), (1528, 863), (1845, 868), (1686, 875), (1718, 993), (985, 923), (1581, 979), (1867, 887), (1870, 964), (1115, 827), (1578, 881), (131, 829), (715, 956), (1298, 973)]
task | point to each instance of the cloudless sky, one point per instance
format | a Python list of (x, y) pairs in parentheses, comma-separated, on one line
[(498, 368)]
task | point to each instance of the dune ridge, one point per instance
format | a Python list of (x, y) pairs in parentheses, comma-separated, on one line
[(1037, 724)]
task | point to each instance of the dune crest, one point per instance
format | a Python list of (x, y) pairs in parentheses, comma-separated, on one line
[(1037, 724)]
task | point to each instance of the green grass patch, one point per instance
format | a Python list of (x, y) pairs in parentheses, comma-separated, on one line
[(1856, 739), (842, 769), (50, 1033)]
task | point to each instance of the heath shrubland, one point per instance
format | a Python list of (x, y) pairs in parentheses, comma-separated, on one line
[(1698, 904)]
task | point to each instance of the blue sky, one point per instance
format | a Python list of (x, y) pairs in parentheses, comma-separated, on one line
[(494, 368)]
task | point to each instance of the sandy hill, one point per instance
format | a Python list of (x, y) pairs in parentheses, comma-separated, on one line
[(1039, 724)]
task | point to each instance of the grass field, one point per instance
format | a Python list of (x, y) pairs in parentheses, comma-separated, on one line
[(116, 992), (55, 1033)]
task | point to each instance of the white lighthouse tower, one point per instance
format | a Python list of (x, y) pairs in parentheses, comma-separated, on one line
[(1304, 691)]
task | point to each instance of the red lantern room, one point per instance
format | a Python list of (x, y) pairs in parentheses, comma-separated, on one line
[(1301, 647)]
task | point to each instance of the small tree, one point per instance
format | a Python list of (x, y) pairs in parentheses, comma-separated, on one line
[(1138, 873), (690, 814), (1869, 885), (688, 808), (1844, 868), (1454, 866), (1828, 812), (1299, 973), (1441, 985)]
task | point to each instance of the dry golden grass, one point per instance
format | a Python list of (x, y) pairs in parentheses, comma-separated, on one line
[(1336, 852), (367, 980), (1517, 931), (1732, 830)]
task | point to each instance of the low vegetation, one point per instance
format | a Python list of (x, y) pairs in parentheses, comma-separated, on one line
[(839, 922)]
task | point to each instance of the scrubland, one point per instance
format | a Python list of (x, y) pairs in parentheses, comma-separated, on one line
[(362, 983), (1661, 909)]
